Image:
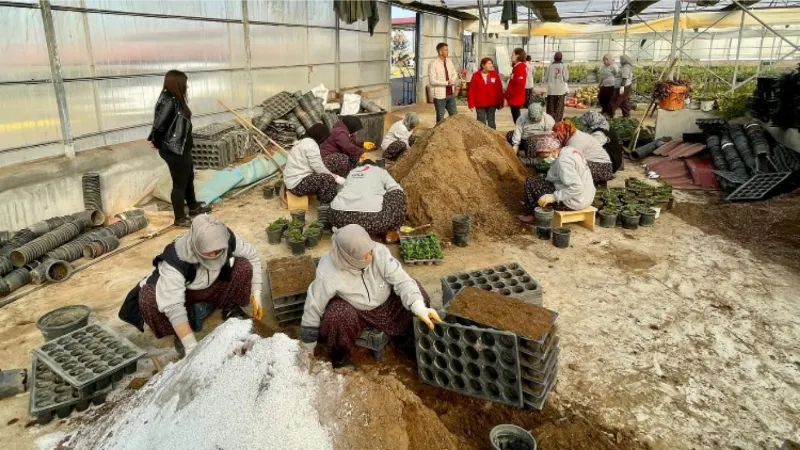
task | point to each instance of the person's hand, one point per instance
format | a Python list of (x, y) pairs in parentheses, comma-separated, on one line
[(546, 199), (309, 346), (427, 315), (621, 90), (516, 148), (152, 146), (189, 343), (255, 304), (369, 146), (339, 180)]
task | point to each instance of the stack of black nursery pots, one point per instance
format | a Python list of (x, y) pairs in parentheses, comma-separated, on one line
[(544, 222), (461, 229)]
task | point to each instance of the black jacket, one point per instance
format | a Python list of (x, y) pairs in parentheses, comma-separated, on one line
[(172, 127), (613, 147)]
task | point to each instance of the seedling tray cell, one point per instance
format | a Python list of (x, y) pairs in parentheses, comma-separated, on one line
[(52, 396), (507, 279), (90, 357), (406, 240), (477, 362), (374, 340), (733, 177), (537, 402), (758, 187)]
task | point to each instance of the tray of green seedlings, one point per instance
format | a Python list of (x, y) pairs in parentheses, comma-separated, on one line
[(423, 249)]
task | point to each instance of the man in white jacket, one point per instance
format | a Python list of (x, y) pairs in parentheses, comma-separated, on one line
[(443, 78)]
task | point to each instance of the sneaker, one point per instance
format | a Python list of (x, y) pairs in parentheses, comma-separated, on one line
[(199, 210), (183, 222)]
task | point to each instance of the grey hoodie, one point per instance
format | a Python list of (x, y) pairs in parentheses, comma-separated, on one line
[(572, 179), (364, 290), (592, 149), (304, 160), (364, 189)]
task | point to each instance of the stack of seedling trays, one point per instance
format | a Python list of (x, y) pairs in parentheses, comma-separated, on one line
[(289, 279), (509, 279), (74, 370), (418, 250), (510, 363)]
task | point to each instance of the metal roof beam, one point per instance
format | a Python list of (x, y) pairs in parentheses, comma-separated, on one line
[(633, 8)]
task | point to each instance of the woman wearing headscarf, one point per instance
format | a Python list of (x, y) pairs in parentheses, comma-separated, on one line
[(557, 77), (622, 93), (597, 126), (515, 91), (305, 172), (608, 82), (341, 150), (568, 184), (171, 135), (207, 266), (535, 122), (485, 94), (396, 141), (372, 199), (596, 156), (359, 284)]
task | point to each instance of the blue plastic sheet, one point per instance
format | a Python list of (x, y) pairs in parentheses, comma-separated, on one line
[(259, 168)]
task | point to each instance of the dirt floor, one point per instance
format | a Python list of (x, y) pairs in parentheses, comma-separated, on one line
[(672, 337)]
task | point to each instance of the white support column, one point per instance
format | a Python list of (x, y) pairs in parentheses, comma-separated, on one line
[(337, 57), (738, 52), (248, 56), (625, 37), (58, 80), (676, 26)]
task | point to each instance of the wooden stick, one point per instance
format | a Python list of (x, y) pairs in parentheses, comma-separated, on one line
[(632, 146), (247, 124), (252, 185)]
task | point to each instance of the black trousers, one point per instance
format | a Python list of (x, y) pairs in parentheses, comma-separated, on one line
[(515, 113), (182, 172), (486, 116)]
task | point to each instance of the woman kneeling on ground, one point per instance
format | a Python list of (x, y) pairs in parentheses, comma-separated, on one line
[(372, 199), (597, 126), (341, 150), (398, 138), (359, 284), (305, 173), (206, 268), (568, 184), (596, 156), (535, 122)]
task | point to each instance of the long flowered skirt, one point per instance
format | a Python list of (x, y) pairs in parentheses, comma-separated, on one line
[(320, 184), (340, 163), (555, 106), (389, 218), (342, 324), (535, 187), (601, 172), (221, 295), (395, 150)]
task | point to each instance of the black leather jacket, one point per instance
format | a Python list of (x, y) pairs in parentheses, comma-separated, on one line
[(172, 127)]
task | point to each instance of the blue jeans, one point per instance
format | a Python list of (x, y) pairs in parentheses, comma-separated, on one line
[(441, 104)]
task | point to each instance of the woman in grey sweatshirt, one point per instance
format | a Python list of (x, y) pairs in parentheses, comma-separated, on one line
[(359, 283), (305, 172)]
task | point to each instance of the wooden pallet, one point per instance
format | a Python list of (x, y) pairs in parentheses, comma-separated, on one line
[(584, 216)]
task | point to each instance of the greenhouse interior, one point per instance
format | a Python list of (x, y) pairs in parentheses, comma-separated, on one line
[(509, 225)]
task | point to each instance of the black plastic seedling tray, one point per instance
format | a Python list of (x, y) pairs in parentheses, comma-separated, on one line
[(534, 347), (374, 340), (90, 358), (541, 373), (288, 308), (480, 363), (537, 402), (758, 187), (507, 279), (51, 396), (733, 177), (416, 262)]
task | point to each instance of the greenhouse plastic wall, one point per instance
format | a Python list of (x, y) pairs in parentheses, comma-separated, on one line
[(114, 53), (436, 29)]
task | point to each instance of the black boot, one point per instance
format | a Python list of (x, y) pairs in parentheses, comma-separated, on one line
[(183, 222), (199, 209)]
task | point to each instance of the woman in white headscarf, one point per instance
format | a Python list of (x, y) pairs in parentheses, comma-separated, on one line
[(360, 284), (206, 268), (608, 82), (624, 87), (397, 139)]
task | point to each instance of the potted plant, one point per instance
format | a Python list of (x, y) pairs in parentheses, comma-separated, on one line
[(608, 217), (274, 233), (648, 216), (672, 94), (707, 101), (283, 222), (630, 217), (312, 235), (296, 240)]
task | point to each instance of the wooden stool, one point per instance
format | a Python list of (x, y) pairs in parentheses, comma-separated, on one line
[(584, 216), (293, 202)]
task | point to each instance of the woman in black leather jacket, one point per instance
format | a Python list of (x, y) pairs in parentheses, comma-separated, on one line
[(172, 136)]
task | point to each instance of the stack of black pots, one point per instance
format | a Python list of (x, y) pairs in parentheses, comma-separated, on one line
[(544, 222), (323, 215), (462, 225), (92, 198)]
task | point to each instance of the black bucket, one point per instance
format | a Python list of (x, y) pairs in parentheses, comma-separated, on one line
[(61, 321), (561, 237), (544, 233)]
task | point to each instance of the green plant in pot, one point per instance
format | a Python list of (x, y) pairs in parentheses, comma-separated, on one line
[(608, 217), (296, 241), (312, 235), (284, 223), (274, 233), (647, 216), (630, 217)]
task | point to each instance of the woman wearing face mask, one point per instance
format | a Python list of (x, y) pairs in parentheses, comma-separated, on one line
[(608, 82), (341, 150), (596, 156), (171, 135), (398, 138), (557, 77), (568, 184), (207, 265), (485, 94), (305, 172), (535, 122), (360, 284)]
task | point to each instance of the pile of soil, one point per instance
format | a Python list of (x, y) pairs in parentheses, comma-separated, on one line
[(291, 275), (462, 167), (501, 312), (769, 229)]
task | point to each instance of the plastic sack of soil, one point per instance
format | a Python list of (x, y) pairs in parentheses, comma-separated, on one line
[(351, 104), (321, 92)]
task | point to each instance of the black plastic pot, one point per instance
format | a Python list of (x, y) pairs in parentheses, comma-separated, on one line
[(274, 236), (544, 216), (647, 218), (630, 221), (461, 239), (608, 219), (61, 321), (298, 247), (561, 237), (300, 215), (461, 224), (312, 239), (268, 191), (544, 233)]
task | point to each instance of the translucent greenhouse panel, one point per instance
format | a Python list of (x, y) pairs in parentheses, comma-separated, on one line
[(268, 82), (321, 46), (320, 13), (29, 115), (275, 45), (361, 74), (382, 26), (81, 106), (23, 45), (280, 11), (211, 10)]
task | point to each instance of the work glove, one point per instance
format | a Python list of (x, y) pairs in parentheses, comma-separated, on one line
[(546, 199), (309, 346), (189, 343), (255, 304), (369, 146), (427, 315), (621, 90), (339, 180)]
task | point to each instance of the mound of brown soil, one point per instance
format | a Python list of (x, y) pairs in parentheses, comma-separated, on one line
[(462, 167), (501, 312)]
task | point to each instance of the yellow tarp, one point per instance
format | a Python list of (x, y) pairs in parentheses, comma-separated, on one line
[(689, 21)]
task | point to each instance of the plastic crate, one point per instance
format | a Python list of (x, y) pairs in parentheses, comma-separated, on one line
[(404, 239)]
